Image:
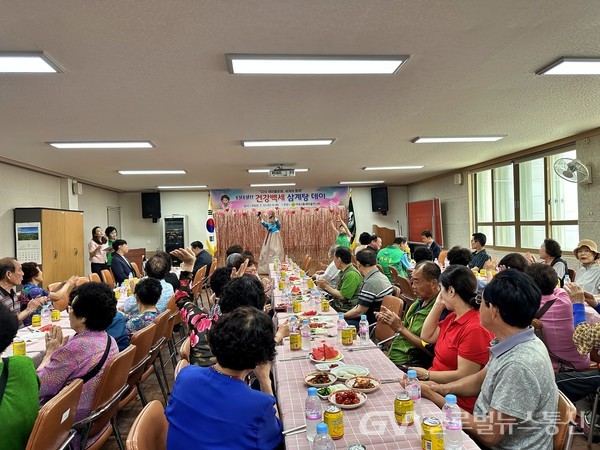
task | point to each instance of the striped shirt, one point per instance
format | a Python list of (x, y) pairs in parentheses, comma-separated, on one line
[(374, 287)]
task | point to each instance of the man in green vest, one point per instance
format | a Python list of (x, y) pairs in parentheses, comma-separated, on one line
[(396, 255), (345, 297), (407, 347)]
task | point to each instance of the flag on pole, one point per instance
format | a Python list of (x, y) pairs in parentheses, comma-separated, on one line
[(351, 223), (211, 236)]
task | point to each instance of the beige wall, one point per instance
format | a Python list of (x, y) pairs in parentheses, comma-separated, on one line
[(365, 218), (454, 201), (21, 188)]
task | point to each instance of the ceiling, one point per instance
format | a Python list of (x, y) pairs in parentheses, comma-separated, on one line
[(155, 70)]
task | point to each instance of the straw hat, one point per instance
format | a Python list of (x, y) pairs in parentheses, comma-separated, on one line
[(589, 244)]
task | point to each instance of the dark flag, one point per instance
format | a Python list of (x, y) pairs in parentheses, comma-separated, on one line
[(351, 223)]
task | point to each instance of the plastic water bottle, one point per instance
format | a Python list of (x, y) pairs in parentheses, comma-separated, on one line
[(413, 389), (322, 440), (341, 323), (287, 299), (363, 330), (313, 413), (293, 324), (451, 414), (46, 314), (567, 279), (305, 333)]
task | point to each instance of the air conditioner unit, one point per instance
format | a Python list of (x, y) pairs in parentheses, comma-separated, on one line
[(282, 173)]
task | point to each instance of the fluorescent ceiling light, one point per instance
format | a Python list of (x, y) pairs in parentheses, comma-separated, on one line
[(362, 182), (273, 184), (314, 64), (202, 186), (26, 62), (106, 144), (439, 140), (572, 66), (288, 142), (268, 170), (152, 172), (393, 168)]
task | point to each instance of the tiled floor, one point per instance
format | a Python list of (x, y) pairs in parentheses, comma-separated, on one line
[(151, 389)]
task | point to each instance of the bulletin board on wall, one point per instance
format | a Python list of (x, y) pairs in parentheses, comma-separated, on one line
[(425, 215)]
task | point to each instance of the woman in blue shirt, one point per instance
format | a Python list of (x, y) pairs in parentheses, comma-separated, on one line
[(213, 407)]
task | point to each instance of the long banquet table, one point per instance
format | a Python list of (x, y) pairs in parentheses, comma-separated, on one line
[(372, 424), (35, 342)]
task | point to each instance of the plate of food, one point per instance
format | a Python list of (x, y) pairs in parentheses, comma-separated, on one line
[(363, 384), (324, 392), (326, 353), (347, 398), (326, 367), (320, 379), (348, 371)]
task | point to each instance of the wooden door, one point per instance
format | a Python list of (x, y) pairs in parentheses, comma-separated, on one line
[(74, 264), (53, 247)]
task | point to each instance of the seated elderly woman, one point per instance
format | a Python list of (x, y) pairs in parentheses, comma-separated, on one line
[(577, 385), (32, 277), (19, 397), (557, 320), (461, 343), (213, 407), (84, 355), (147, 293), (240, 291)]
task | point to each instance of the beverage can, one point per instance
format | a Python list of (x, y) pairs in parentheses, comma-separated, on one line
[(295, 341), (325, 307), (36, 320), (302, 273), (432, 437), (281, 285), (55, 315), (18, 346), (353, 333), (310, 283), (403, 409), (296, 305), (334, 418), (117, 293), (347, 335), (482, 273)]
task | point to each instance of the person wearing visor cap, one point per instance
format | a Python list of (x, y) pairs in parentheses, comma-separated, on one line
[(588, 275)]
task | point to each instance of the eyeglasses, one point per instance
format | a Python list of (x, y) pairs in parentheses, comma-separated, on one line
[(479, 299), (71, 300)]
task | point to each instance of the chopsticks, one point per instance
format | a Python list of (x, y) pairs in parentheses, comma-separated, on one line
[(293, 358), (389, 380), (358, 349), (296, 430)]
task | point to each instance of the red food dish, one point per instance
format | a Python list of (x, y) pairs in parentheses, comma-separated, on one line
[(324, 352), (312, 312), (346, 398)]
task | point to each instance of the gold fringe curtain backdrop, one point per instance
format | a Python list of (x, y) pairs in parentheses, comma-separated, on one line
[(304, 231)]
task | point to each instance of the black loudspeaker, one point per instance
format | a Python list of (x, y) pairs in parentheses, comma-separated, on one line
[(379, 200), (151, 205)]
